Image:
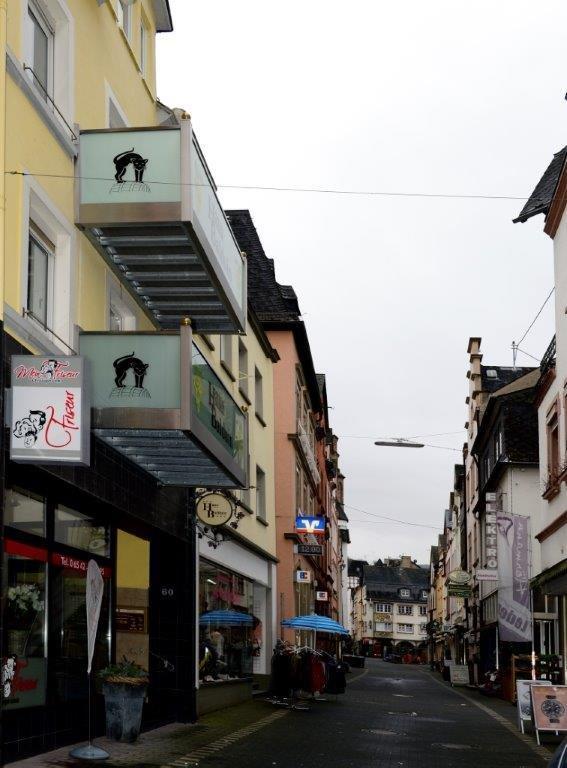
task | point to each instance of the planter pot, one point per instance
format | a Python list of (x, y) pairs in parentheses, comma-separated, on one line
[(123, 705)]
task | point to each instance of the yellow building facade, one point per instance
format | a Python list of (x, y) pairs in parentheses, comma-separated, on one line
[(70, 66)]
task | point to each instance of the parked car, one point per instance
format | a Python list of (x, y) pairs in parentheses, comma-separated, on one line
[(559, 759)]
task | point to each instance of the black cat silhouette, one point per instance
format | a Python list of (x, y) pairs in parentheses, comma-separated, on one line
[(123, 160), (123, 364)]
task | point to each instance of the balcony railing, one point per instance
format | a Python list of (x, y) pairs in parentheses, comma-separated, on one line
[(548, 360)]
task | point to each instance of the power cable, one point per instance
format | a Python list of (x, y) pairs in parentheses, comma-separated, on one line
[(413, 437), (531, 325), (390, 519), (313, 190)]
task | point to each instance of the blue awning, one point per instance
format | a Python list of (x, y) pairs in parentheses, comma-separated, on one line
[(316, 623), (227, 618)]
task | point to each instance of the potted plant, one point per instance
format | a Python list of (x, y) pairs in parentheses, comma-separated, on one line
[(124, 688)]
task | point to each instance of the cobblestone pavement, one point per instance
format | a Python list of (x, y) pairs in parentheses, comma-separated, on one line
[(392, 716)]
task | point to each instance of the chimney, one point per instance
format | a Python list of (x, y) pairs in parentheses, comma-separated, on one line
[(406, 562)]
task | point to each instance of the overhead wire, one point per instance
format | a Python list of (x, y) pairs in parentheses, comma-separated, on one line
[(533, 322), (390, 519), (268, 188)]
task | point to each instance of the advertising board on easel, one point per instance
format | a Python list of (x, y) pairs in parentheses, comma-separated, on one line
[(549, 707), (524, 701)]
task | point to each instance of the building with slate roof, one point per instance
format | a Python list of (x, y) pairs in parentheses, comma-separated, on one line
[(549, 585), (309, 483), (390, 606)]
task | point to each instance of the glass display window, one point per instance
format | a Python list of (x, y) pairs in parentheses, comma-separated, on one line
[(24, 663), (226, 625), (80, 531), (25, 511)]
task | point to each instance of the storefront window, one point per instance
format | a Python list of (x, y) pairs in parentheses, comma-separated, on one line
[(226, 625), (80, 531), (68, 631), (25, 511), (24, 664)]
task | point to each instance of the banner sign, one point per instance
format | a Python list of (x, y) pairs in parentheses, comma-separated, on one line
[(549, 705), (315, 525), (310, 549), (514, 618), (95, 589), (50, 421), (303, 577)]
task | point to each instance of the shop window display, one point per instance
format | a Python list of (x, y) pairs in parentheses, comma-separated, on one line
[(227, 626), (80, 531), (24, 663), (25, 511)]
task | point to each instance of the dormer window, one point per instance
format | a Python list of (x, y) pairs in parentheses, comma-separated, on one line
[(404, 593)]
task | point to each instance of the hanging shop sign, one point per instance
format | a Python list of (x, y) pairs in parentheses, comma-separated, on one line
[(310, 549), (158, 401), (549, 706), (514, 615), (491, 534), (322, 596), (50, 421), (459, 577), (314, 525), (214, 509), (303, 577), (459, 590)]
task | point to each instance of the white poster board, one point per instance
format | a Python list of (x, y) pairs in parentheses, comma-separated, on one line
[(459, 674), (524, 700)]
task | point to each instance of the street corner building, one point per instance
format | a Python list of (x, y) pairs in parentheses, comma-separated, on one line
[(138, 378)]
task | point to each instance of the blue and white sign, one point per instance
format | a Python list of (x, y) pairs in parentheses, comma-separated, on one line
[(303, 577), (314, 525)]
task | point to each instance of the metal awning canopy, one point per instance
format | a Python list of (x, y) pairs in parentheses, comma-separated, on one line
[(158, 402), (147, 202), (173, 457)]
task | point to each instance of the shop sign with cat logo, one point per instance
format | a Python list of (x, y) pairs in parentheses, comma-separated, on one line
[(50, 410)]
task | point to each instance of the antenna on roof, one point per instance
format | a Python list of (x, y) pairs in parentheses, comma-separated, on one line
[(514, 354)]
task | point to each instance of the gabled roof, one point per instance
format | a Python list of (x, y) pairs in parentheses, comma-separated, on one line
[(542, 196), (385, 581), (275, 305)]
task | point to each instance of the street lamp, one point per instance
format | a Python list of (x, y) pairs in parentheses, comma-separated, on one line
[(399, 442)]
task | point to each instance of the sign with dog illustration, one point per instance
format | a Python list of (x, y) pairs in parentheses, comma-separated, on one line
[(50, 420)]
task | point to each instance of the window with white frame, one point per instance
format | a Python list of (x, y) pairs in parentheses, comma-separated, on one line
[(143, 48), (48, 55), (121, 311), (383, 608), (226, 352), (405, 610), (258, 393), (423, 610), (404, 593), (124, 15), (41, 257), (260, 493), (406, 629), (40, 52), (423, 629), (383, 626), (425, 594), (242, 369)]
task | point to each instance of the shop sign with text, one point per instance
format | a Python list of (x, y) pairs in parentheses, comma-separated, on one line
[(314, 525), (310, 549), (303, 577), (214, 509), (322, 596), (50, 421)]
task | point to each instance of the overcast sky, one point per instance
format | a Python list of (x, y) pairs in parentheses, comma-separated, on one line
[(438, 97)]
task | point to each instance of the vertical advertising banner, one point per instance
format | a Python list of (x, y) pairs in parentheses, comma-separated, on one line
[(514, 618)]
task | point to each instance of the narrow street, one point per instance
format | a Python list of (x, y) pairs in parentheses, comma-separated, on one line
[(391, 715)]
